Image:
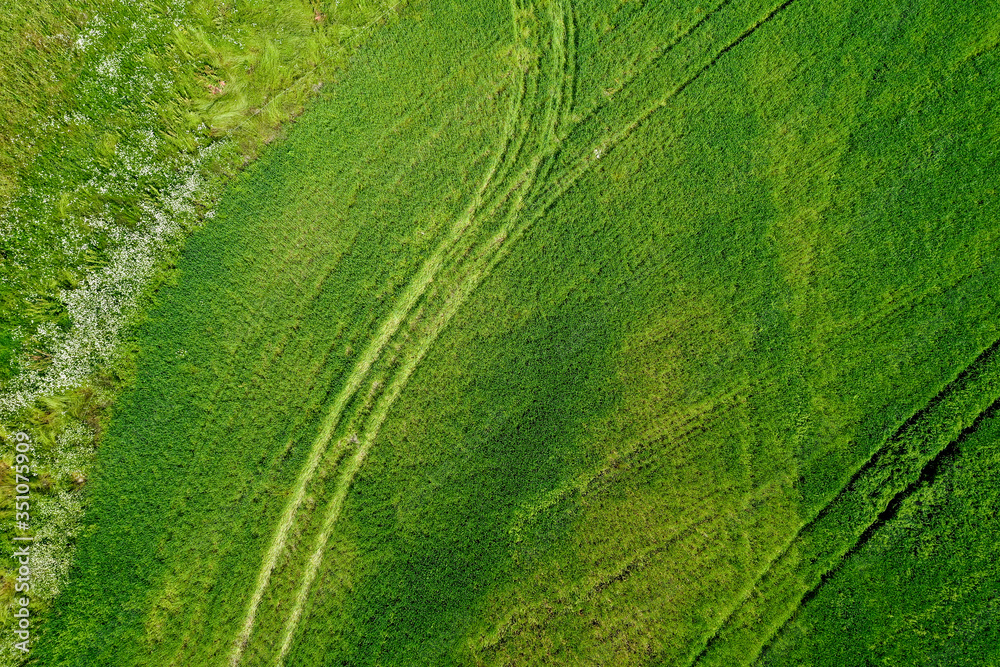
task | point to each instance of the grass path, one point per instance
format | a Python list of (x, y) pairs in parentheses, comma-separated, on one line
[(371, 354), (371, 431), (353, 382), (367, 359), (468, 267)]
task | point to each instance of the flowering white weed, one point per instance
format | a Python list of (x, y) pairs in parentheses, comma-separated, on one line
[(58, 518), (92, 34), (110, 67), (107, 299)]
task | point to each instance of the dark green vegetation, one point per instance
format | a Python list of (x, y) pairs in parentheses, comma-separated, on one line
[(574, 333), (927, 573)]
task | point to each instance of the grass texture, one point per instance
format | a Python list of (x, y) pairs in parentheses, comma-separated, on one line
[(569, 333)]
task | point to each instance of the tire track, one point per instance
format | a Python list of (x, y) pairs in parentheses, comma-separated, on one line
[(926, 476), (666, 50), (887, 466), (610, 142), (558, 104), (484, 261), (569, 18), (586, 592), (505, 198), (588, 482), (567, 121), (367, 438), (867, 465), (444, 254), (469, 275), (529, 90), (352, 383)]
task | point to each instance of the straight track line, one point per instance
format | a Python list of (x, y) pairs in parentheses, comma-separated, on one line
[(852, 483), (884, 517)]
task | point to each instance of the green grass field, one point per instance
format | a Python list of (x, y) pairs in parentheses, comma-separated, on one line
[(121, 121), (578, 333)]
